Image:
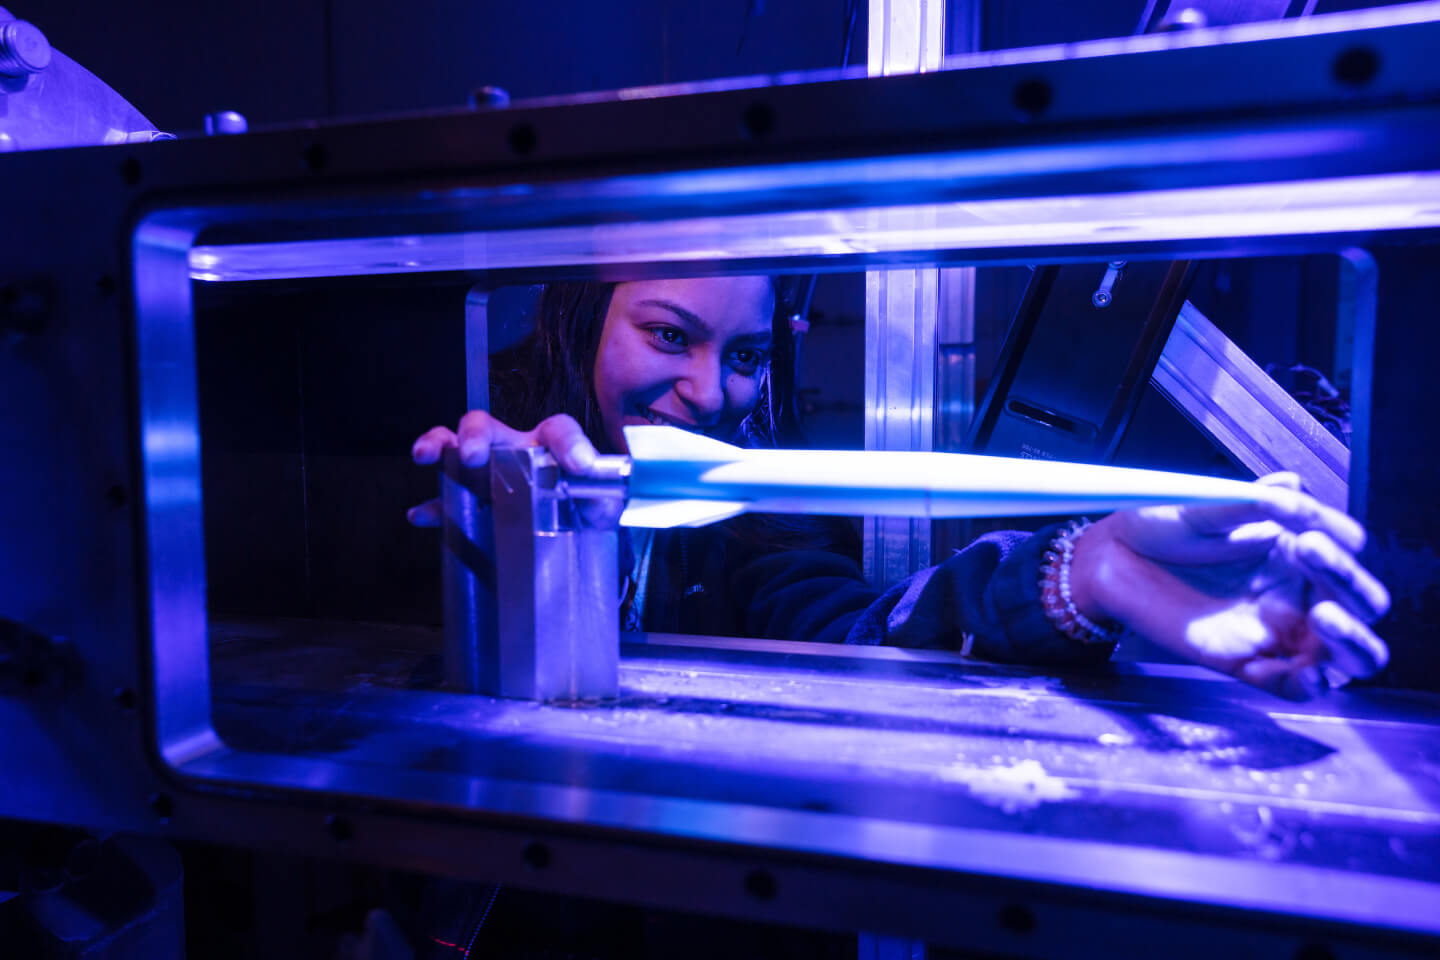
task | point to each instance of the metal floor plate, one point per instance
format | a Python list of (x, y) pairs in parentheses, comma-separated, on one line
[(1132, 758)]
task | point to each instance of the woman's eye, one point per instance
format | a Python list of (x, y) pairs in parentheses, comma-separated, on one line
[(748, 361), (669, 338)]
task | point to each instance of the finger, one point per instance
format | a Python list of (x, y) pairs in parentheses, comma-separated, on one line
[(1278, 498), (1247, 542), (563, 436), (479, 431), (431, 513), (1354, 648), (431, 445), (1309, 682), (1218, 519), (1224, 517), (1283, 478), (1341, 576), (1300, 512), (1283, 677)]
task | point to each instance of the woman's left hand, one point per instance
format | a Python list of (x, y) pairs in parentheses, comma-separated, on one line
[(1269, 592)]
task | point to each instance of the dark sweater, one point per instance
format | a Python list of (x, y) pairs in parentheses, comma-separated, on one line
[(718, 582)]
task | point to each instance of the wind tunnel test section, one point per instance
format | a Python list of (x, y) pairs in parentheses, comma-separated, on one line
[(1093, 284)]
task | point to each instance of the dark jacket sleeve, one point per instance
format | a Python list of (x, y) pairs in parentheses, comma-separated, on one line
[(990, 591)]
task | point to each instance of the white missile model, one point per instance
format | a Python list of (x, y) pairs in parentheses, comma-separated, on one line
[(678, 478)]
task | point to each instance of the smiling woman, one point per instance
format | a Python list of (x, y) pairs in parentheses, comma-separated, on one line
[(1269, 591), (689, 353), (714, 354)]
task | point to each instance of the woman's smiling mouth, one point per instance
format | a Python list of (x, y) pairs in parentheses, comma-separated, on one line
[(661, 420)]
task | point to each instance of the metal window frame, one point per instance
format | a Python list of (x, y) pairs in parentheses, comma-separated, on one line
[(155, 202)]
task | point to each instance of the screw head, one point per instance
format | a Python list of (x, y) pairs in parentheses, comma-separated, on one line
[(522, 139), (340, 828), (225, 122), (316, 157), (1356, 67), (162, 806), (23, 49), (1190, 18), (758, 121), (1017, 918), (761, 884), (489, 98), (536, 855), (1033, 97)]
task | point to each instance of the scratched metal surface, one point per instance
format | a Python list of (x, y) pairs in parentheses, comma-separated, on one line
[(1160, 757)]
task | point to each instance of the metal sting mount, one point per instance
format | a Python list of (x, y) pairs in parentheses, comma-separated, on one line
[(531, 576), (1101, 298)]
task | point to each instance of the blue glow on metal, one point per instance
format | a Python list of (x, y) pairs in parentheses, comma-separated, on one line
[(170, 466), (1349, 21), (1301, 208)]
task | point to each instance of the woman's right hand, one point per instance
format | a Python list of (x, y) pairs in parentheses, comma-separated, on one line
[(478, 432)]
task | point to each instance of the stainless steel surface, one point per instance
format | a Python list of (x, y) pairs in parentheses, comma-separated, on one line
[(1355, 338), (901, 314), (557, 570), (51, 101), (1156, 781), (906, 36), (1296, 216), (955, 375), (468, 540), (1241, 408), (520, 530), (1071, 153), (477, 348), (170, 468), (870, 946), (467, 567)]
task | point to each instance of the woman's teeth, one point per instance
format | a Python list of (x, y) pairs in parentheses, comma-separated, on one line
[(661, 421)]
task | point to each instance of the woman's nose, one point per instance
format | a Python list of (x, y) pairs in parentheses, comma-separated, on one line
[(703, 391)]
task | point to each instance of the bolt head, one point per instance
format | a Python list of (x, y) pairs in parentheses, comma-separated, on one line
[(26, 46), (225, 122)]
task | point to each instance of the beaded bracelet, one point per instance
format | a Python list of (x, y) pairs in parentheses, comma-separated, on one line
[(1055, 596)]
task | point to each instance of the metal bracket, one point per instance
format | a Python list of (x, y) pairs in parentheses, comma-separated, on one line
[(548, 544), (1235, 403)]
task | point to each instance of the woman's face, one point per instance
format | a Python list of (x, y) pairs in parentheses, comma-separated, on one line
[(689, 353)]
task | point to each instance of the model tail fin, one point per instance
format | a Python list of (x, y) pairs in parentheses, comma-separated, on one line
[(679, 513), (672, 443)]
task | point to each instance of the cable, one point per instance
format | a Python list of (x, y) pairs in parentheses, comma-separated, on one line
[(852, 10), (474, 934)]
